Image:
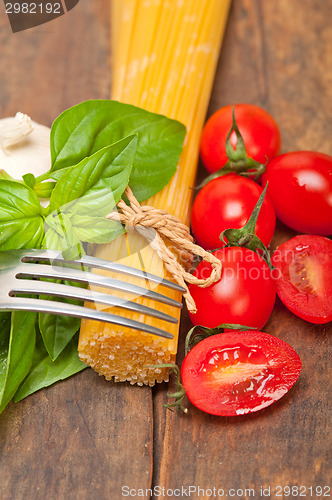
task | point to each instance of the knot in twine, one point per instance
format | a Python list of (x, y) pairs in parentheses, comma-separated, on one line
[(146, 219)]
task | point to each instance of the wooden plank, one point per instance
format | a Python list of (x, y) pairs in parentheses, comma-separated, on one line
[(47, 69), (75, 440), (275, 55), (84, 437)]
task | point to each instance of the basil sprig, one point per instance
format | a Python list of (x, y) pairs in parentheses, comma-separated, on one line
[(97, 148), (86, 193), (92, 125)]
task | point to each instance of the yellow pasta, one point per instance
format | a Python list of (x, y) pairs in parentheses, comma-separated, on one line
[(164, 56)]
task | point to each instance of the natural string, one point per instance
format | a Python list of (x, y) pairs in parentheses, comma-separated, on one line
[(145, 218)]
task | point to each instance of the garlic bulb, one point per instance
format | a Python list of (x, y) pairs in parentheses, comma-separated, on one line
[(24, 146)]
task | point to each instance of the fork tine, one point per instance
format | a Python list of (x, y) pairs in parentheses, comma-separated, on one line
[(47, 306), (70, 274), (86, 260), (72, 292)]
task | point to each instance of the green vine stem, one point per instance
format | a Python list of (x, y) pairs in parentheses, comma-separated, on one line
[(238, 160), (246, 235), (199, 332), (180, 390)]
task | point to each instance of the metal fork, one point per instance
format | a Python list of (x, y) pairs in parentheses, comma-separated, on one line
[(22, 272)]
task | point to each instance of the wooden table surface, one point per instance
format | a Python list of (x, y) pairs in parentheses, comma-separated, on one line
[(86, 438)]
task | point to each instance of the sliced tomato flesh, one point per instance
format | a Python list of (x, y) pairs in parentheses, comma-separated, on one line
[(304, 277), (235, 373)]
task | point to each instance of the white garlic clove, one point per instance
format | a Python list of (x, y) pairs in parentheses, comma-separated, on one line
[(24, 146), (14, 130)]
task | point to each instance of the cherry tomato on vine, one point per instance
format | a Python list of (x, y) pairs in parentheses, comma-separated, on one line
[(300, 188), (304, 277), (244, 295), (227, 202), (259, 131), (235, 373)]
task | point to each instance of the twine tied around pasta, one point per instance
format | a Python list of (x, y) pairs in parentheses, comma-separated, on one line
[(144, 218)]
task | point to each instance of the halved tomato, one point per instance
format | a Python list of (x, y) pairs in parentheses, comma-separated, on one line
[(304, 277), (236, 373)]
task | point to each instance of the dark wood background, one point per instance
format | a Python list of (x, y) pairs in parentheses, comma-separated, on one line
[(85, 438)]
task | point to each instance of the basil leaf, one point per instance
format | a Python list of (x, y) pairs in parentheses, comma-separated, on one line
[(86, 193), (71, 249), (44, 189), (92, 125), (20, 354), (59, 232), (21, 222), (4, 175), (65, 231), (97, 182), (5, 320), (52, 240), (45, 372), (58, 330), (95, 229), (30, 180), (57, 174)]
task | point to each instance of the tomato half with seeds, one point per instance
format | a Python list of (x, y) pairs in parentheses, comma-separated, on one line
[(259, 131), (304, 277), (244, 295), (236, 373), (227, 202)]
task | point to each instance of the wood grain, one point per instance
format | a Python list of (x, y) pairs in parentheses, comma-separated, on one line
[(85, 438), (75, 440), (82, 438), (47, 69), (277, 55)]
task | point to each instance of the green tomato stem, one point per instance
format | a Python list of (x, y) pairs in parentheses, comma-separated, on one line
[(238, 160)]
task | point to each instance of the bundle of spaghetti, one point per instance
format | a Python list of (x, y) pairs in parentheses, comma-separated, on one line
[(164, 56)]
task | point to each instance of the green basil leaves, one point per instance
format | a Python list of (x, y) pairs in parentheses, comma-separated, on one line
[(97, 149), (19, 355), (90, 126), (21, 221), (45, 372), (97, 182), (86, 193)]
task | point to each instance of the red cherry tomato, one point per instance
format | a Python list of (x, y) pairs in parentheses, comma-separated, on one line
[(304, 277), (227, 202), (259, 131), (235, 373), (244, 295), (300, 188)]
